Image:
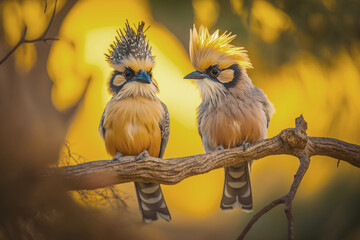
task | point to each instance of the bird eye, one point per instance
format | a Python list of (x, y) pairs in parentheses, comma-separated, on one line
[(150, 74), (215, 72), (127, 73)]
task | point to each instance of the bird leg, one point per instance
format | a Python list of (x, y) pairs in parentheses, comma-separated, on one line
[(142, 155), (118, 156), (245, 145)]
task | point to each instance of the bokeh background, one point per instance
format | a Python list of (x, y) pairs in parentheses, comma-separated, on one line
[(306, 58)]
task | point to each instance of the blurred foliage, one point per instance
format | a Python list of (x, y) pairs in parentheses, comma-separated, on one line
[(279, 30)]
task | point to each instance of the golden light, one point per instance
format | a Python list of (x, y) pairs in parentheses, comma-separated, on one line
[(268, 21), (328, 97)]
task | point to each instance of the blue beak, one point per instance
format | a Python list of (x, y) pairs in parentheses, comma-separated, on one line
[(196, 75), (143, 77)]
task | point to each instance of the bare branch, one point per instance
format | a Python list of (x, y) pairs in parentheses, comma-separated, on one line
[(39, 39), (291, 141), (21, 41), (45, 6), (259, 214), (286, 200)]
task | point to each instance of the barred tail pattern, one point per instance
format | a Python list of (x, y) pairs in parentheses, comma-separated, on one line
[(237, 188), (151, 202)]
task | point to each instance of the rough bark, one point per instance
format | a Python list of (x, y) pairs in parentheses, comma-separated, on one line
[(291, 141)]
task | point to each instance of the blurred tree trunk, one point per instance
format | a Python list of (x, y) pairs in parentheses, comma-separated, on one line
[(32, 134)]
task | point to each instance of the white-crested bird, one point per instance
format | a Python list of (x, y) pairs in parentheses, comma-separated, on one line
[(233, 111), (135, 121)]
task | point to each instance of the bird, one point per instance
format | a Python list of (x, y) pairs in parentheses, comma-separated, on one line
[(233, 111), (135, 122)]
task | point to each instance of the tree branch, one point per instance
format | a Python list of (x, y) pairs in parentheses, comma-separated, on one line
[(41, 38), (291, 141)]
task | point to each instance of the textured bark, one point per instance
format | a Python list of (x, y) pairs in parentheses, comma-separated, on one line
[(292, 141)]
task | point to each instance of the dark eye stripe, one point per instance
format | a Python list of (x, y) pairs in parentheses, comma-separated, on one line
[(111, 82), (237, 75)]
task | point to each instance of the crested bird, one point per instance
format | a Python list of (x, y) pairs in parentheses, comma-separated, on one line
[(135, 122), (233, 112)]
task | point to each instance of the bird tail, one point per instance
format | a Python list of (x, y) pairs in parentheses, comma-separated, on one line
[(151, 202), (237, 188)]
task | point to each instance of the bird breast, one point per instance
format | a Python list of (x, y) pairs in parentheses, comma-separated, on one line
[(232, 122), (132, 126)]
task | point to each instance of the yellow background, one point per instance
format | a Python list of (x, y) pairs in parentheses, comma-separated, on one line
[(327, 96)]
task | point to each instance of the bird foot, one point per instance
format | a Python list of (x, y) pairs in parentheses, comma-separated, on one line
[(117, 157), (142, 155), (245, 145), (220, 148)]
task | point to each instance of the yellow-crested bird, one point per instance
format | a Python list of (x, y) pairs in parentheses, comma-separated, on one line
[(233, 111), (135, 121)]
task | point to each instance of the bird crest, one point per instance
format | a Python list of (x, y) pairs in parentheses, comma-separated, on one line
[(130, 43), (206, 50)]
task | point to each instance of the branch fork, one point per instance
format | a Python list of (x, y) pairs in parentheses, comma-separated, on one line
[(23, 39), (291, 141)]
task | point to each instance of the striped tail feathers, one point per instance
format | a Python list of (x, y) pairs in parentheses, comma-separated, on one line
[(151, 202), (237, 188)]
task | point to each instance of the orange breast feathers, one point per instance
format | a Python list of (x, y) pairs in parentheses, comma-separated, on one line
[(132, 126), (229, 128)]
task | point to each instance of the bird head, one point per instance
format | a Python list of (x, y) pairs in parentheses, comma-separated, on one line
[(219, 65), (130, 57)]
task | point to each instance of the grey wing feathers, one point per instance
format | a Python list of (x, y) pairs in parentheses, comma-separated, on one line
[(267, 106), (165, 130), (101, 126)]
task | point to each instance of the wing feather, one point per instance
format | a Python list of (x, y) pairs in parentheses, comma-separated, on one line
[(165, 130), (101, 126)]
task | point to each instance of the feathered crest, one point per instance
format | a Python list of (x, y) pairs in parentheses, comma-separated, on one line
[(206, 49), (129, 42)]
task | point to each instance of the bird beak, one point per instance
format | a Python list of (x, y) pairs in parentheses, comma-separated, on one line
[(196, 75), (143, 77)]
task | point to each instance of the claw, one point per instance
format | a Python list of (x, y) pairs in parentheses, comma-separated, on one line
[(142, 155), (117, 157), (245, 145), (220, 148)]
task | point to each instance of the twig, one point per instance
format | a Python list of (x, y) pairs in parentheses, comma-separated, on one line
[(109, 196), (41, 38), (45, 6), (259, 214), (286, 200)]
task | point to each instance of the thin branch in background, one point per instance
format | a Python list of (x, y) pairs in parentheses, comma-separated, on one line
[(42, 38), (110, 196), (45, 6)]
